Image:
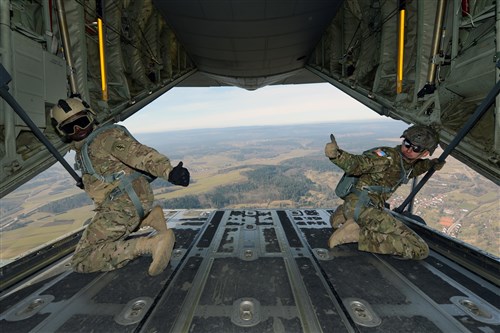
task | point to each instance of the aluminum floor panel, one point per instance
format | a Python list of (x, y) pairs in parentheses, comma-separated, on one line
[(260, 271)]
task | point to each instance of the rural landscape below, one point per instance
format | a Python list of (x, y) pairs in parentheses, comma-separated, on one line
[(264, 167)]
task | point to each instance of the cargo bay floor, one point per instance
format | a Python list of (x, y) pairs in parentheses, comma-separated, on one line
[(260, 271)]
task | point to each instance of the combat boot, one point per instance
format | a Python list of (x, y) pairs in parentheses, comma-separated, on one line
[(347, 233), (337, 218), (155, 219), (160, 246)]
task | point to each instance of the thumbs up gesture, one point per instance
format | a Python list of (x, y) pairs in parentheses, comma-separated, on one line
[(331, 148), (179, 175)]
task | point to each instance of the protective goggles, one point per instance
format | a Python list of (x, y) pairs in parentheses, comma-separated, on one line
[(415, 148), (83, 122)]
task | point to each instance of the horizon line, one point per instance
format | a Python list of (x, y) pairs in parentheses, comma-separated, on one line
[(267, 125)]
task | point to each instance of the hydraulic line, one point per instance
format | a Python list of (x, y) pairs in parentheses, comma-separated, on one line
[(473, 119), (430, 86), (436, 40), (63, 27)]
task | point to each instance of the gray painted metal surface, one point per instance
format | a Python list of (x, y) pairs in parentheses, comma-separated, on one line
[(260, 271)]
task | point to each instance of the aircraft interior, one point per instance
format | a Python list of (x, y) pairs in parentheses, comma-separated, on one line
[(432, 62)]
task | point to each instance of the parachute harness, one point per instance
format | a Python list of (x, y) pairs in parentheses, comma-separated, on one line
[(363, 198), (125, 181)]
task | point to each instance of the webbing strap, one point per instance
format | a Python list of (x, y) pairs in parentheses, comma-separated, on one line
[(125, 181), (87, 166), (363, 201), (126, 185), (377, 188)]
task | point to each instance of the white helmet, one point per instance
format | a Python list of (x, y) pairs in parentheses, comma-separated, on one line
[(68, 109)]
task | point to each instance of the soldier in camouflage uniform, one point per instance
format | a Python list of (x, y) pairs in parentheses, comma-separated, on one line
[(115, 170), (379, 172)]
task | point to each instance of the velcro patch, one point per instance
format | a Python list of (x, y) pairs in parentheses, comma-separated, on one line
[(119, 146)]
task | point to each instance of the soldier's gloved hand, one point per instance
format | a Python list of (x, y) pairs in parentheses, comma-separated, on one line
[(179, 176), (331, 148), (437, 164)]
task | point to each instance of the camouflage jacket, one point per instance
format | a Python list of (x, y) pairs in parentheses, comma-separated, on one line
[(382, 166), (113, 151)]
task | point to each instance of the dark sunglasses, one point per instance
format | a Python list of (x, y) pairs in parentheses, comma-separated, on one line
[(83, 122), (415, 148)]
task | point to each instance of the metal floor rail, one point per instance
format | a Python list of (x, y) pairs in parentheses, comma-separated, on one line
[(260, 271)]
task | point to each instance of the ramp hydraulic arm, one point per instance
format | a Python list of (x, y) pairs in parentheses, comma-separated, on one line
[(473, 119)]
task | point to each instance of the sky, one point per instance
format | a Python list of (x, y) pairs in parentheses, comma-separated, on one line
[(218, 107)]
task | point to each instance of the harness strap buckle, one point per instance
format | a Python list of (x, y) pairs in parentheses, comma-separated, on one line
[(118, 175), (114, 193)]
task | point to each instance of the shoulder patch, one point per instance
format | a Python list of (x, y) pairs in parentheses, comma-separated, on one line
[(382, 153)]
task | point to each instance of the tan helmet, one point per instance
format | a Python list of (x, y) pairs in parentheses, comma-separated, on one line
[(65, 109), (423, 136)]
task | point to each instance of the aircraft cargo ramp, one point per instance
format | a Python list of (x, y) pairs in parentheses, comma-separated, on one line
[(262, 271)]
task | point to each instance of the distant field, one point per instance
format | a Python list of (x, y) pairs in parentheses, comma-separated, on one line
[(204, 184), (44, 228)]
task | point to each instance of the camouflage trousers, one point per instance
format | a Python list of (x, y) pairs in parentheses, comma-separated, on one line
[(381, 233), (103, 246)]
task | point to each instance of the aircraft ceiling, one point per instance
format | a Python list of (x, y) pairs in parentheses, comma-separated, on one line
[(444, 71), (250, 44)]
